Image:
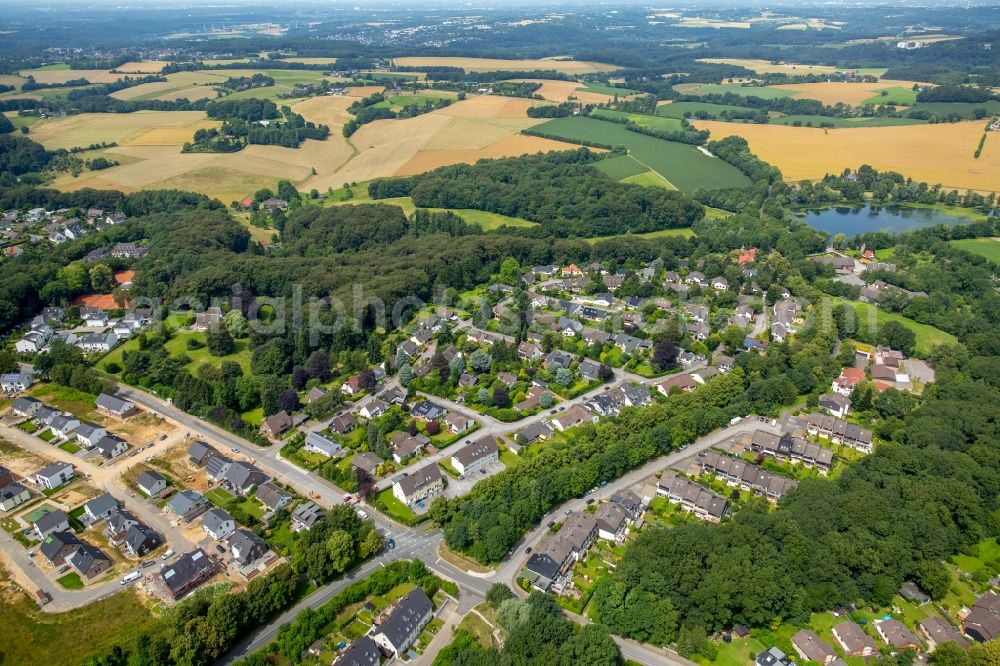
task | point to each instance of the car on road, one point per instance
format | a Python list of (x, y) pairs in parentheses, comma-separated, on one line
[(553, 411), (552, 523), (483, 472), (683, 446), (527, 551), (167, 554), (735, 420), (134, 576), (568, 511), (563, 408), (391, 543), (607, 388), (220, 548), (234, 450), (162, 437), (64, 570), (590, 500)]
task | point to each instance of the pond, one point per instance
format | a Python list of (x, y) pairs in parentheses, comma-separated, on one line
[(852, 221)]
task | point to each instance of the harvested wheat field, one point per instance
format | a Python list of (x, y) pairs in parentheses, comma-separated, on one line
[(489, 106), (518, 144), (934, 153), (497, 64), (310, 61), (64, 75), (562, 91), (88, 128), (327, 109), (363, 91), (143, 66), (179, 81), (830, 93)]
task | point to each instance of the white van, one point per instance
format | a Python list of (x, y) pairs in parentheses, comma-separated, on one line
[(167, 554), (134, 576), (736, 420)]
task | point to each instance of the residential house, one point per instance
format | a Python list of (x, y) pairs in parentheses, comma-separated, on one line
[(738, 472), (594, 336), (129, 251), (276, 425), (367, 461), (314, 394), (529, 351), (343, 423), (53, 475), (405, 445), (835, 403), (140, 540), (352, 385), (362, 652), (937, 631), (216, 466), (374, 409), (305, 515), (635, 395), (199, 452), (325, 446), (539, 430), (63, 426), (475, 456), (555, 360), (897, 635), (188, 505), (55, 521), (241, 478), (680, 382), (111, 405), (427, 411), (97, 343), (611, 519), (420, 485), (696, 277), (458, 423), (188, 572), (15, 382), (589, 370), (271, 496), (110, 447), (789, 447), (218, 524), (840, 431), (26, 407), (12, 496), (88, 434), (690, 496), (247, 548), (89, 562), (853, 640), (56, 547), (573, 416), (33, 341), (912, 592), (810, 648), (151, 483), (848, 379), (118, 525), (773, 657), (983, 621), (531, 400), (560, 551), (100, 508), (205, 320), (404, 624)]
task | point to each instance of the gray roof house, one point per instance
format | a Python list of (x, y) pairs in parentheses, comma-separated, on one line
[(405, 623), (141, 539), (216, 466), (89, 562), (110, 447), (26, 407), (241, 477), (218, 524), (12, 496), (89, 434), (51, 522), (247, 547), (54, 475), (362, 652), (114, 406), (188, 505), (326, 446), (57, 546), (271, 496), (305, 515), (188, 572), (118, 525), (100, 507), (151, 483), (199, 452)]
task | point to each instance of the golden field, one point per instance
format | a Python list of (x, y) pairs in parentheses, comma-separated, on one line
[(830, 93), (497, 64), (561, 91), (64, 75), (767, 67), (143, 66), (933, 153), (149, 147)]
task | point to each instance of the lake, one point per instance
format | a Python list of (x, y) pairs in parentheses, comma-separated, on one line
[(852, 221)]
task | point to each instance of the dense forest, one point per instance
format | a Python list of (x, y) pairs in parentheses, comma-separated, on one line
[(557, 190)]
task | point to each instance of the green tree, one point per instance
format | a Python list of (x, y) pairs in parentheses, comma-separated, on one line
[(481, 360), (370, 545), (497, 594), (510, 271), (405, 374), (101, 278), (340, 550), (564, 376), (219, 340), (236, 324)]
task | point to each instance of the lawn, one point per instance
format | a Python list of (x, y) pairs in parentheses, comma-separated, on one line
[(69, 447), (659, 123), (604, 89), (927, 335), (390, 505), (67, 399), (649, 179), (28, 427), (988, 248), (177, 345), (447, 468), (987, 552), (478, 627), (488, 221), (47, 436), (897, 96), (684, 166), (509, 458), (832, 121), (620, 167), (71, 581), (29, 636), (218, 496)]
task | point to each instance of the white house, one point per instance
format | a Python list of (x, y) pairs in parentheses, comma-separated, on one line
[(54, 475), (151, 483), (318, 443), (88, 434), (475, 456), (218, 524), (15, 382), (110, 447), (63, 426), (405, 623)]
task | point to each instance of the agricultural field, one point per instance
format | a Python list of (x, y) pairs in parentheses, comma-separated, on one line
[(611, 91), (897, 96), (624, 166), (659, 123), (941, 153), (143, 67), (988, 248), (62, 74), (497, 64), (766, 67), (194, 84), (964, 109), (139, 128), (764, 92), (488, 221), (678, 109), (563, 91), (831, 93), (684, 166), (818, 121)]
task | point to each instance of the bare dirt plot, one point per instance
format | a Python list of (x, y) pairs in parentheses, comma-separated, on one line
[(497, 64), (941, 153), (88, 128), (19, 461), (64, 75), (141, 428), (831, 93)]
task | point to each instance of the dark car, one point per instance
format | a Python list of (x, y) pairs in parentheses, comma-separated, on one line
[(527, 551), (391, 543), (552, 523), (220, 548), (590, 501)]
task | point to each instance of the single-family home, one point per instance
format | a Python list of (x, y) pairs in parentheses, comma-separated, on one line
[(216, 467), (853, 640), (362, 652), (53, 475), (15, 382), (140, 540), (241, 477), (326, 446), (897, 635), (56, 547), (426, 410), (539, 430), (305, 515), (419, 486), (218, 524), (405, 623), (188, 572), (405, 445), (458, 423), (773, 657), (367, 461), (573, 416), (272, 497), (89, 562), (374, 409), (89, 434), (13, 495), (247, 548), (810, 648), (188, 505), (276, 425), (937, 631), (54, 521), (112, 405), (475, 456), (983, 621), (204, 320), (556, 360), (343, 423), (151, 483), (589, 369), (26, 408), (199, 452), (680, 382), (100, 508), (835, 403), (63, 426), (118, 525), (110, 447)]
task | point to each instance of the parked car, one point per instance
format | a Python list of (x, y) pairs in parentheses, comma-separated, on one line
[(735, 420), (552, 523), (527, 551), (220, 548), (167, 554), (590, 500)]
